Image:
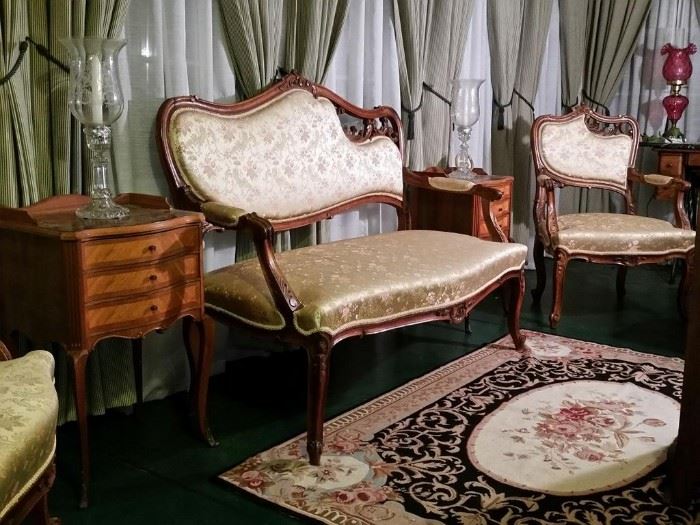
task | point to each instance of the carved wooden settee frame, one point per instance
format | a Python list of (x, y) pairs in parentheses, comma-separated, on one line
[(372, 123)]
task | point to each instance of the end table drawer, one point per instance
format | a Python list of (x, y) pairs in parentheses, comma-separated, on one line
[(143, 311), (142, 248), (136, 280)]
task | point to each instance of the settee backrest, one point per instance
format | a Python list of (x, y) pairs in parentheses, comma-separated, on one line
[(283, 154), (587, 149)]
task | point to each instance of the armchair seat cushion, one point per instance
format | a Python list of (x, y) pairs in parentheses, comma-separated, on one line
[(28, 411), (365, 280), (607, 233)]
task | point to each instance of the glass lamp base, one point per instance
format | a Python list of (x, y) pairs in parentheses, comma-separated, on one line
[(102, 208)]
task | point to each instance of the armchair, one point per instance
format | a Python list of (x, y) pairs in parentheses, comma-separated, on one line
[(589, 150), (28, 411)]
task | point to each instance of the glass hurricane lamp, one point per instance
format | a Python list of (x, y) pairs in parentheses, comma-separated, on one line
[(464, 113), (96, 100), (676, 70)]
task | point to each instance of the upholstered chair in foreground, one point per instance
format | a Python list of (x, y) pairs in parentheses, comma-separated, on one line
[(589, 150), (28, 411)]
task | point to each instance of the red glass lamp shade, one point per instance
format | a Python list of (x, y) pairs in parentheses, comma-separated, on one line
[(675, 106), (677, 67)]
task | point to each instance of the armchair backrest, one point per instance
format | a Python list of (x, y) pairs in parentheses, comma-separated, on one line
[(584, 148), (282, 154)]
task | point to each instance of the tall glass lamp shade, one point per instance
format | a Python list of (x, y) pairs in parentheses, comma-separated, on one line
[(95, 99), (464, 113)]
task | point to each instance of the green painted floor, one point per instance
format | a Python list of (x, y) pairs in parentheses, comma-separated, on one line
[(148, 468)]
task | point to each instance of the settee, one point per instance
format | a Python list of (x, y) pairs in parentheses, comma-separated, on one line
[(285, 159)]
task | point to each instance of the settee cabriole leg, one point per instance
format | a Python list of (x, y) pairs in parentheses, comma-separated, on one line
[(318, 360), (516, 294), (538, 254), (560, 262)]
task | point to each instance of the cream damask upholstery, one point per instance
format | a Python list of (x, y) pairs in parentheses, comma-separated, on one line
[(365, 280), (28, 412), (604, 233), (252, 160), (585, 149), (572, 151)]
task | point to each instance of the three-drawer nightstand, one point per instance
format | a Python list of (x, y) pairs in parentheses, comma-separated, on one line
[(75, 282), (459, 213)]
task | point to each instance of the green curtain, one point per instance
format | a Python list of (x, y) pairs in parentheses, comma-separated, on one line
[(572, 43), (312, 31), (448, 35), (253, 30), (612, 28), (41, 151), (504, 22), (536, 19), (412, 28)]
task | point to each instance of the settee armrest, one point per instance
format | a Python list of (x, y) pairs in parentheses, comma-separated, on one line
[(222, 215), (438, 181), (263, 234), (678, 186)]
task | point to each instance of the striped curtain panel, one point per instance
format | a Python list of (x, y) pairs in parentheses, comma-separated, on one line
[(253, 30), (312, 28), (448, 34), (572, 43), (504, 22), (18, 178), (536, 19), (412, 27)]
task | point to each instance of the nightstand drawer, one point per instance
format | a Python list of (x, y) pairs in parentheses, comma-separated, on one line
[(502, 217), (671, 165), (141, 248), (136, 280), (143, 311)]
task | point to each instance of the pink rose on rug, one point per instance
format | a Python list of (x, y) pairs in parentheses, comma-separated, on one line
[(574, 413)]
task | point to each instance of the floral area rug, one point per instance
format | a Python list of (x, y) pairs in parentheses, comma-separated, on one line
[(568, 432)]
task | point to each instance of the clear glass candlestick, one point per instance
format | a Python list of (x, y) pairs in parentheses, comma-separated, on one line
[(464, 113), (96, 100)]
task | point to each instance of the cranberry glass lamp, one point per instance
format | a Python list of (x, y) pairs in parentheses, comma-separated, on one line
[(676, 70)]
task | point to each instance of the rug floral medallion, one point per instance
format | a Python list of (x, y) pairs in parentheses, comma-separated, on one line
[(566, 432)]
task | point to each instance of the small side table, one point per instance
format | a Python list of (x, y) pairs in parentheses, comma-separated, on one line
[(459, 213), (76, 282)]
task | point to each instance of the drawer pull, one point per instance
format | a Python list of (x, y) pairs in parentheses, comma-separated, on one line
[(152, 248), (154, 308), (153, 278)]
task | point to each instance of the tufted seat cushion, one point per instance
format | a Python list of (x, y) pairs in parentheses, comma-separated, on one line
[(364, 280), (608, 233), (28, 411)]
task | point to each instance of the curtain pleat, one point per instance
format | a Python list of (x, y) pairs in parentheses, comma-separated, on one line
[(572, 39), (448, 34), (412, 27), (253, 30), (504, 19), (536, 19)]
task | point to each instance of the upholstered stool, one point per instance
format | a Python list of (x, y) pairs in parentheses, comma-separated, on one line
[(28, 411)]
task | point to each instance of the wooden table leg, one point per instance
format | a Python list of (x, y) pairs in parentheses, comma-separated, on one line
[(199, 341), (79, 359), (137, 354)]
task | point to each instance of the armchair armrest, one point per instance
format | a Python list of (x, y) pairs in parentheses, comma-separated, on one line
[(664, 181), (263, 237), (438, 181), (545, 210)]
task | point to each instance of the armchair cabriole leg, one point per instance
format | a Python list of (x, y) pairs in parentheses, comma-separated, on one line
[(318, 361), (516, 294), (684, 287), (560, 262), (538, 254)]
